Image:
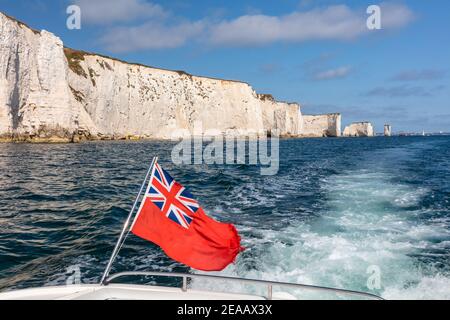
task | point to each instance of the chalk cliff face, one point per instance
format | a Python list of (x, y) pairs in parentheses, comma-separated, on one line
[(49, 92), (326, 125), (34, 96), (282, 117), (125, 99), (52, 93), (359, 129)]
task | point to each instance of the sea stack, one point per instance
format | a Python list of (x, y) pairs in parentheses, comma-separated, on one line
[(359, 129), (387, 130)]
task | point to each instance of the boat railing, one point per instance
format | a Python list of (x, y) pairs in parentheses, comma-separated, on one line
[(269, 284)]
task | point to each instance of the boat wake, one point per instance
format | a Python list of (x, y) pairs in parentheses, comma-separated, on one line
[(369, 221)]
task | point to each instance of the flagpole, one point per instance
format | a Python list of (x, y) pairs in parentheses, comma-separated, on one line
[(125, 226)]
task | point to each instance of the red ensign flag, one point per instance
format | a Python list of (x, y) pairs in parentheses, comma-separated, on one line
[(170, 217)]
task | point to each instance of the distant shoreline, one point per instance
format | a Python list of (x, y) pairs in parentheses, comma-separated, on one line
[(58, 140)]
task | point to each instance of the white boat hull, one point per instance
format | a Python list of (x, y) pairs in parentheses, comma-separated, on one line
[(119, 292)]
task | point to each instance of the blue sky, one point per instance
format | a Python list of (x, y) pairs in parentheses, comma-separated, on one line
[(315, 52)]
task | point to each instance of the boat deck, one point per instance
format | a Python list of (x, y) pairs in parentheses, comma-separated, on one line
[(120, 292)]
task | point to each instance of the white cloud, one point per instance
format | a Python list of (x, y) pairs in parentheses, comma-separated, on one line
[(150, 36), (112, 11), (338, 22), (416, 75), (395, 15), (341, 72), (405, 91)]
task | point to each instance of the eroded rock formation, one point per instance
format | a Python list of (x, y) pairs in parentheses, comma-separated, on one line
[(282, 117), (359, 129), (387, 130), (323, 125)]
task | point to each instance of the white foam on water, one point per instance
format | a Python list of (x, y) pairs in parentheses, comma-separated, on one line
[(370, 220), (75, 272)]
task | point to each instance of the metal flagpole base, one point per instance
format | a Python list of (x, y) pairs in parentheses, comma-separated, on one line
[(126, 225)]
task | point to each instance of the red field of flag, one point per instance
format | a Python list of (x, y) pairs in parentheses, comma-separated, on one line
[(170, 217)]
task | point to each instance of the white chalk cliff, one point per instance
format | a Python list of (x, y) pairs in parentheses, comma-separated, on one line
[(322, 125), (359, 129), (283, 117), (52, 93), (34, 91)]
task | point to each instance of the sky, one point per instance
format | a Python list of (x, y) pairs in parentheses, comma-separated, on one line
[(318, 53)]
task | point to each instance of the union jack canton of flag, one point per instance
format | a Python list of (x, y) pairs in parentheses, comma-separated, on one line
[(174, 200)]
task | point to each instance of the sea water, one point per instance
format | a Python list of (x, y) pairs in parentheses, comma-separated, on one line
[(338, 213)]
